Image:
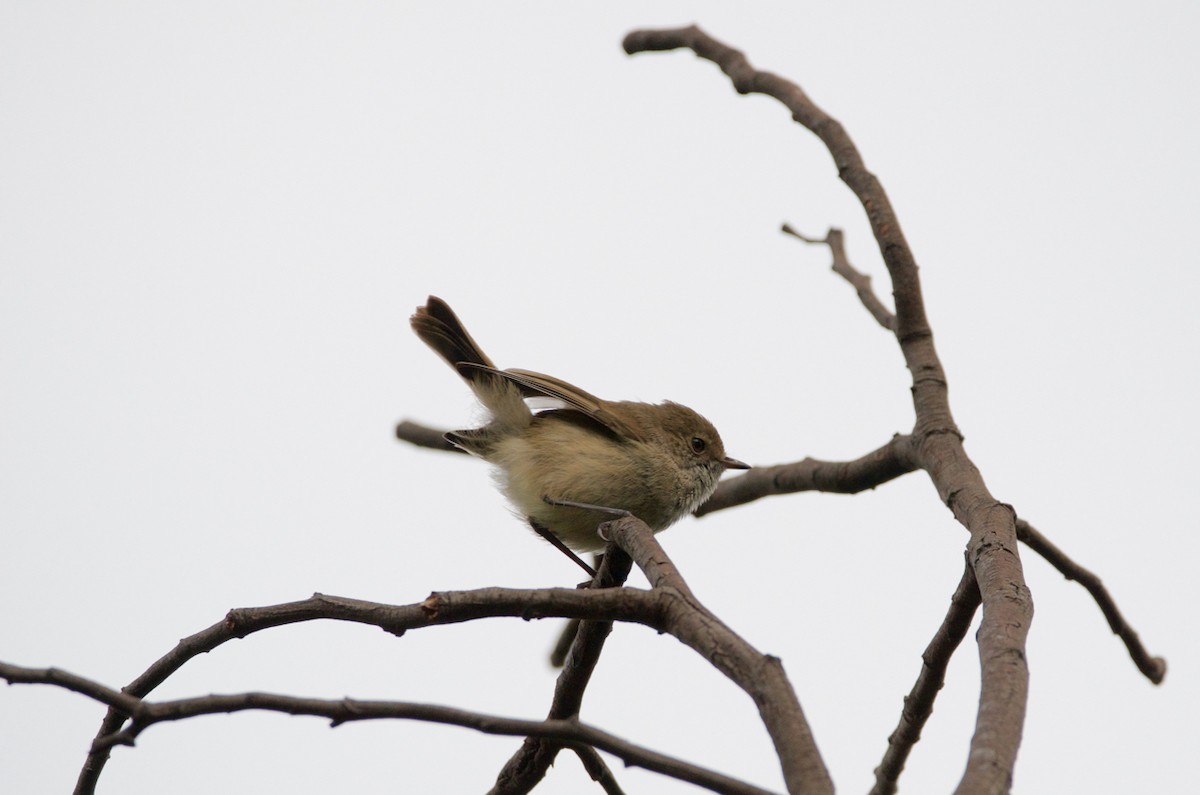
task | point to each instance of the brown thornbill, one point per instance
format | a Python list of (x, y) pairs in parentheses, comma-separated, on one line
[(659, 461)]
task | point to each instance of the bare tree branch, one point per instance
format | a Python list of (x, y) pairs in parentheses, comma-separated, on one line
[(861, 282), (446, 607), (934, 445), (1154, 668), (993, 577), (918, 704), (668, 607), (937, 442), (760, 675), (528, 765), (843, 477), (20, 675), (145, 714)]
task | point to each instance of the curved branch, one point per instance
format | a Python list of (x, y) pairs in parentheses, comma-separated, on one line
[(842, 477), (145, 714), (993, 553), (1154, 668)]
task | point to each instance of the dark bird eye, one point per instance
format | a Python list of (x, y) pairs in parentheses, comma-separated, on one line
[(698, 445)]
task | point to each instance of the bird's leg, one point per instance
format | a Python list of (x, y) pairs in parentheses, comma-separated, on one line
[(560, 546)]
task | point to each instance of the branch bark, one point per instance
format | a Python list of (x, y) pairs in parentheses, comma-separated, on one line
[(936, 440), (1154, 668), (669, 606), (760, 675), (918, 704), (144, 714), (445, 607), (843, 477)]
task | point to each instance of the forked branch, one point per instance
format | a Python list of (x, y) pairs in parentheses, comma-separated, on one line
[(936, 441), (669, 606), (567, 731)]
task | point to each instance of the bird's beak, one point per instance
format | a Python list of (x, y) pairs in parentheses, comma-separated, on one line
[(733, 463)]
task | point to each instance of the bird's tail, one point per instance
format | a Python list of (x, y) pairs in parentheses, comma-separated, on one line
[(440, 328)]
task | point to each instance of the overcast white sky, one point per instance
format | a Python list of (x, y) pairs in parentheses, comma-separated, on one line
[(215, 219)]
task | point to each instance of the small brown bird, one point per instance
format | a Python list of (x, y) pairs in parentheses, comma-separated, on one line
[(659, 462)]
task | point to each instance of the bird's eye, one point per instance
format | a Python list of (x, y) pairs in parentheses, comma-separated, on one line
[(698, 445)]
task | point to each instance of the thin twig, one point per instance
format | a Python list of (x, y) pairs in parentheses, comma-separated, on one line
[(1154, 668), (20, 675), (918, 705), (860, 281), (145, 714)]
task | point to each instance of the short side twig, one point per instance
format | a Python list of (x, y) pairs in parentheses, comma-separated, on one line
[(860, 281), (918, 705), (1154, 668)]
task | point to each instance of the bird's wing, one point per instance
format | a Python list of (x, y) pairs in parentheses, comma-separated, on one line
[(534, 384)]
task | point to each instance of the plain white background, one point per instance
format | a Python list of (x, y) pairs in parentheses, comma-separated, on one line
[(215, 219)]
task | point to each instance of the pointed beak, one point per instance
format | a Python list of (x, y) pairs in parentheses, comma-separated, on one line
[(733, 463)]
